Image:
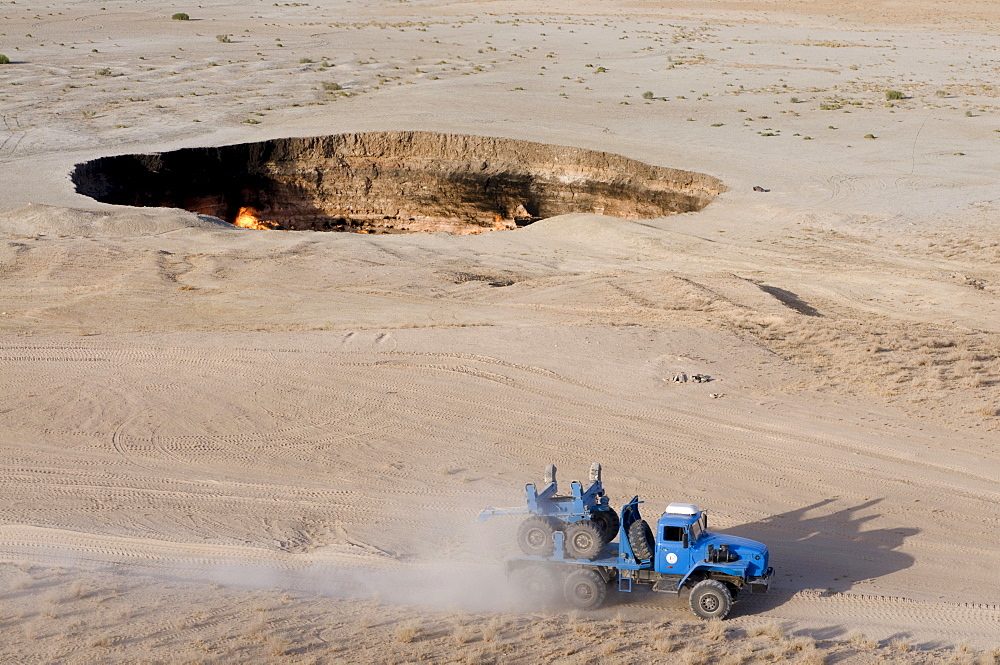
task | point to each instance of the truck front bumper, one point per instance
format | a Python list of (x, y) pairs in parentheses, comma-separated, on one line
[(760, 584)]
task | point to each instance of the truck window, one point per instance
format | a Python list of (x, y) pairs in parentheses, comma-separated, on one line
[(695, 531), (673, 533)]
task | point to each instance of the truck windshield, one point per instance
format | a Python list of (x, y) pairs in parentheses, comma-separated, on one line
[(695, 531)]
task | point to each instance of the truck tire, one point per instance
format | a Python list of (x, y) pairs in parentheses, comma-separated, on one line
[(584, 540), (535, 585), (608, 521), (640, 537), (585, 589), (710, 599), (535, 536)]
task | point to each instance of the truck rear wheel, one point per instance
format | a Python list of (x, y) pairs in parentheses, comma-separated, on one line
[(608, 521), (584, 540), (640, 537), (535, 536), (535, 585), (710, 599), (585, 589)]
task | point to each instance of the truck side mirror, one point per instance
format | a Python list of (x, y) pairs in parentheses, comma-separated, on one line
[(685, 539)]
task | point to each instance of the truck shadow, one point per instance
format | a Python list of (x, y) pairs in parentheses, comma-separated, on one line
[(829, 552)]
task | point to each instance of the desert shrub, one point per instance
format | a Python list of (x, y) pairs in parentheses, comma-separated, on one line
[(463, 635), (491, 630), (794, 100), (408, 633), (715, 630), (181, 16), (941, 93), (869, 136), (331, 85), (277, 646), (901, 645), (892, 95), (812, 657), (225, 39), (305, 61), (693, 656), (648, 94), (104, 71), (4, 60), (859, 639), (771, 629)]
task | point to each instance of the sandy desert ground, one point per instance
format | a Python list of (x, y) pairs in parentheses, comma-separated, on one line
[(222, 445)]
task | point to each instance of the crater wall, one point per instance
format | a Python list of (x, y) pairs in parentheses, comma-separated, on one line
[(394, 182)]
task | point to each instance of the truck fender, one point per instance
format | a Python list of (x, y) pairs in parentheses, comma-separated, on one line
[(733, 570)]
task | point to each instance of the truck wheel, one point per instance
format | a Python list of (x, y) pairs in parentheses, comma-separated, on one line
[(535, 585), (710, 599), (535, 536), (640, 537), (584, 540), (585, 589), (608, 521)]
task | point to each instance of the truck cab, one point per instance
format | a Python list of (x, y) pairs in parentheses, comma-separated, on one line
[(685, 547), (680, 525)]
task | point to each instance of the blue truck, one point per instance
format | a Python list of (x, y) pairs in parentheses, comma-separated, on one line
[(569, 551)]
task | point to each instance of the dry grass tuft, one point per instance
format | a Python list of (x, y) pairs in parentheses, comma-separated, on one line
[(693, 656), (991, 657), (408, 633), (475, 657), (715, 630), (803, 643), (901, 645), (812, 657), (30, 631), (620, 624), (491, 630), (771, 629), (733, 659), (665, 644), (277, 646), (103, 642), (859, 639), (256, 632), (462, 634)]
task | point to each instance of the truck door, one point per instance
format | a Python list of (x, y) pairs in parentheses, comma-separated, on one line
[(672, 557)]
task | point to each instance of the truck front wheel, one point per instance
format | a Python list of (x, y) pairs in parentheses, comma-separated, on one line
[(585, 589), (710, 599)]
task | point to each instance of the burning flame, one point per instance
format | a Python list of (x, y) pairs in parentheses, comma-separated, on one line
[(247, 219)]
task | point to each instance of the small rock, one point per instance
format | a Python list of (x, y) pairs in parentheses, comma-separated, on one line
[(680, 378), (701, 378), (715, 395), (758, 188)]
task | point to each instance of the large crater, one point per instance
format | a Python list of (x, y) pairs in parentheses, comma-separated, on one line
[(394, 182)]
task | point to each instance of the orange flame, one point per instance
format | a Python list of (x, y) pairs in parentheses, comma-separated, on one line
[(247, 219)]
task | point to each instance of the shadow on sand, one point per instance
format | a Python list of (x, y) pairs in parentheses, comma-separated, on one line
[(826, 551)]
